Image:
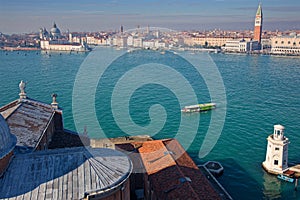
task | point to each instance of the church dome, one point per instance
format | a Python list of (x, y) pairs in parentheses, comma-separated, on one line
[(7, 140), (55, 32)]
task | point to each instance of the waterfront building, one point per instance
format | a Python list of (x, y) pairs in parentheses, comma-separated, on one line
[(277, 152), (285, 45), (266, 44), (120, 41), (130, 41), (138, 42), (148, 44), (92, 40), (258, 24), (57, 45), (240, 46), (160, 44), (207, 41), (55, 42)]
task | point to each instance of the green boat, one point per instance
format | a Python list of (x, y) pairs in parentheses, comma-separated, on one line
[(199, 107)]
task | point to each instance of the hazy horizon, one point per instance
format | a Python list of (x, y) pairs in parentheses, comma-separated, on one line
[(91, 16)]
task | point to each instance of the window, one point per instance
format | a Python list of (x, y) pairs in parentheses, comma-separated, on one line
[(289, 42), (282, 42), (276, 148), (275, 162), (276, 42), (294, 43)]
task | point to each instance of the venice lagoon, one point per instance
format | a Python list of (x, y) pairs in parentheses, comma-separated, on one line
[(252, 92)]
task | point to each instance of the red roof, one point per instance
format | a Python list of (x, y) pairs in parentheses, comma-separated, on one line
[(172, 173)]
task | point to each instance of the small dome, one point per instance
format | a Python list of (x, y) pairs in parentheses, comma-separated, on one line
[(7, 140), (55, 30)]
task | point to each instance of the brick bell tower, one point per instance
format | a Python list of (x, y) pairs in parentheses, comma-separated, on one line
[(258, 24)]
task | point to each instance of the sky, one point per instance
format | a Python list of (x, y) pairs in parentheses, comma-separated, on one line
[(25, 16)]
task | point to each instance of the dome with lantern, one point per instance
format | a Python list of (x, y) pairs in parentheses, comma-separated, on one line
[(55, 32)]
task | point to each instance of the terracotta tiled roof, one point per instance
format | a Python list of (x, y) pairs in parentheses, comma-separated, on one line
[(172, 172), (155, 156)]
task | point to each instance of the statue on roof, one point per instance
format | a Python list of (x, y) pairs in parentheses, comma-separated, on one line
[(22, 86)]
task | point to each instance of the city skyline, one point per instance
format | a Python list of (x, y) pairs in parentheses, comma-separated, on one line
[(28, 16)]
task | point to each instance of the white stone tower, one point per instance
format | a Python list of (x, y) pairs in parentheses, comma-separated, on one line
[(277, 151)]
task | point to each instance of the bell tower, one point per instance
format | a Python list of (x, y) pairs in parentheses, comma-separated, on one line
[(258, 24), (277, 152)]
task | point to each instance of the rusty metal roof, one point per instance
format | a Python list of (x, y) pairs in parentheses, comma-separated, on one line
[(64, 173), (27, 120)]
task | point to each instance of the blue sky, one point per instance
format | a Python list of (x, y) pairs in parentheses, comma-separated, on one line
[(18, 16)]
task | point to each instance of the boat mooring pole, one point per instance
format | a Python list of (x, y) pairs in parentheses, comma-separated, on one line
[(296, 184)]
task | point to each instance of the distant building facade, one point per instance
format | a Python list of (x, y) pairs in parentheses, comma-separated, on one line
[(207, 41), (241, 46), (53, 41), (285, 45)]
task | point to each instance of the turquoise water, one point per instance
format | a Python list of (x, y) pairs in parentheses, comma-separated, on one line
[(260, 91)]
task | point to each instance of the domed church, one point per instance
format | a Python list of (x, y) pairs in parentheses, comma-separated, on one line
[(55, 32), (53, 35)]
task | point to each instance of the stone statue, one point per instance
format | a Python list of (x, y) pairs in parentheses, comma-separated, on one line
[(22, 86)]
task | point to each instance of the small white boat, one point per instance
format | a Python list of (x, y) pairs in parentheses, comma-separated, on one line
[(285, 178)]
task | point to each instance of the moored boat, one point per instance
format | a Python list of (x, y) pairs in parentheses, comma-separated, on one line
[(285, 178), (214, 167), (199, 107)]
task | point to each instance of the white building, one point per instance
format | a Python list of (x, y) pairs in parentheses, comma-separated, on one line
[(241, 46), (130, 41), (277, 152), (62, 46), (120, 41), (92, 40), (55, 42), (160, 45), (148, 44), (285, 45), (138, 42)]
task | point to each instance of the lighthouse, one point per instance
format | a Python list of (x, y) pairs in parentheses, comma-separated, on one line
[(277, 152)]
